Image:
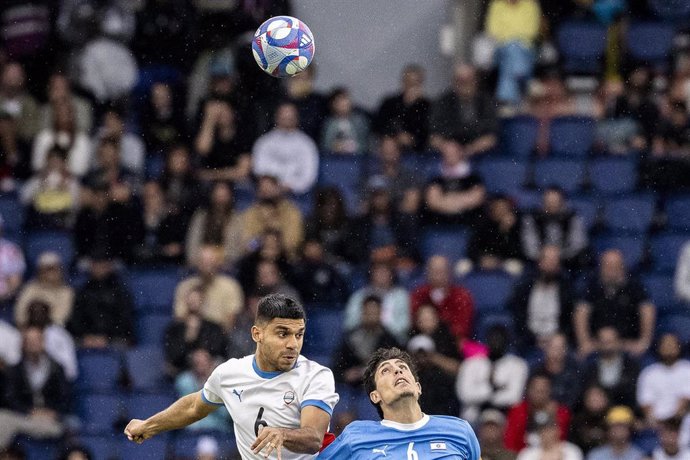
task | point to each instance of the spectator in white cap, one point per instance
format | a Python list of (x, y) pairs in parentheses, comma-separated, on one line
[(492, 424), (12, 266), (206, 448), (48, 286)]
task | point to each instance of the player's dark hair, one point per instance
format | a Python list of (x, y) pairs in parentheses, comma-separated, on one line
[(279, 306), (379, 356)]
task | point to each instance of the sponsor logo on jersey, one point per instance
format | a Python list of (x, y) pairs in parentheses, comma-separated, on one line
[(288, 397), (380, 450), (437, 445), (239, 395)]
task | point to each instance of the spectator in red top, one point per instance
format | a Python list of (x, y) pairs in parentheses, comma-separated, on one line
[(454, 303), (525, 418)]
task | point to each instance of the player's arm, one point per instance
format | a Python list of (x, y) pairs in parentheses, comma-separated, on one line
[(181, 413), (306, 439)]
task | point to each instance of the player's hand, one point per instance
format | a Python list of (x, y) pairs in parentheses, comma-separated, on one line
[(269, 439), (136, 431)]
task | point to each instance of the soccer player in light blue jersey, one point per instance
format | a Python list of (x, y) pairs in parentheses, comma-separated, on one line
[(404, 432)]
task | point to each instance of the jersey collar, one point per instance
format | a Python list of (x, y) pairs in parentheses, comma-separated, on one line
[(406, 426), (264, 374)]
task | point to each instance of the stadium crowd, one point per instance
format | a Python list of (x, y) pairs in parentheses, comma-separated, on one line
[(525, 234)]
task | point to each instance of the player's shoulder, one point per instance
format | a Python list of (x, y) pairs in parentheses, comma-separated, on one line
[(306, 366), (449, 421), (235, 366), (358, 427)]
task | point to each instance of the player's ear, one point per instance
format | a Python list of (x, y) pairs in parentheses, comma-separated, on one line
[(375, 397), (257, 333), (419, 387)]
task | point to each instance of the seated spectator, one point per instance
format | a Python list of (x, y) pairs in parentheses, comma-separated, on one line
[(106, 69), (110, 169), (15, 154), (404, 117), (550, 444), (617, 300), (272, 211), (270, 248), (660, 393), (224, 153), (346, 130), (10, 349), (270, 279), (287, 153), (616, 132), (436, 354), (588, 428), (217, 224), (16, 101), (497, 380), (192, 332), (612, 369), (496, 243), (521, 427), (60, 91), (555, 224), (620, 421), (668, 168), (65, 135), (453, 302), (162, 122), (191, 381), (37, 393), (239, 340), (669, 447), (131, 147), (681, 281), (48, 286), (311, 105), (51, 195), (562, 369), (12, 267), (223, 295), (182, 190), (464, 116), (457, 195), (329, 225), (514, 25), (395, 302), (59, 344), (103, 309), (318, 281), (490, 433), (637, 102), (543, 303), (360, 342)]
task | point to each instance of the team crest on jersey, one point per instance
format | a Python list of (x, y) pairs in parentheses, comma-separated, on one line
[(288, 397)]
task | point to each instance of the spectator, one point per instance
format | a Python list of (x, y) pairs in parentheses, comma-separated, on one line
[(588, 429), (346, 130), (555, 224), (360, 342), (12, 267), (318, 281), (37, 393), (109, 169), (620, 421), (514, 25), (192, 332), (59, 92), (207, 448), (181, 189), (548, 98), (48, 286), (681, 280), (224, 154), (76, 453), (239, 340), (616, 132), (490, 433), (454, 303), (17, 102), (15, 153), (464, 116), (496, 242), (562, 369), (542, 304), (51, 195), (550, 445), (202, 364), (497, 380), (217, 224), (287, 153), (660, 391), (103, 308), (311, 105), (107, 69), (437, 357), (65, 135), (272, 211), (612, 369), (616, 300), (457, 195), (329, 225), (669, 448), (404, 117), (395, 302), (10, 350), (132, 150), (537, 405), (223, 295), (162, 121), (269, 278), (637, 102), (668, 167), (270, 248)]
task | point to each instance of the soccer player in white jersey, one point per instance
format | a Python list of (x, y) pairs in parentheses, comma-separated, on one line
[(280, 402), (404, 432)]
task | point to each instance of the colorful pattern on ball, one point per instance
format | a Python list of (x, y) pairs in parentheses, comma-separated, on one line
[(283, 46)]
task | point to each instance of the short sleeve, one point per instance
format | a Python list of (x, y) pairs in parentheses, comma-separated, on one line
[(211, 391), (319, 391)]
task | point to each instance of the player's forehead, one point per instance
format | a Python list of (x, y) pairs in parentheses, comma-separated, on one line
[(286, 324), (395, 363)]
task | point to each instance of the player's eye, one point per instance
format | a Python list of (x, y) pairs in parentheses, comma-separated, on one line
[(281, 334), (300, 335), (385, 370)]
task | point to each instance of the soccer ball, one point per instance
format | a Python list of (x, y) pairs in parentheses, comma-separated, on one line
[(283, 46)]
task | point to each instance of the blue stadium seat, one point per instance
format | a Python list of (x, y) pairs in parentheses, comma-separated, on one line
[(613, 175), (582, 45), (665, 250), (660, 290), (185, 443), (451, 243), (527, 200), (678, 212), (650, 43), (678, 324), (341, 170), (632, 215), (566, 174), (152, 449), (519, 136), (153, 290), (646, 440), (490, 290), (101, 414), (39, 242), (143, 405), (324, 331), (151, 328), (145, 366), (364, 409), (13, 214), (587, 208), (502, 176), (99, 370), (243, 197), (571, 136), (673, 10), (154, 166), (633, 247), (38, 449), (305, 202), (485, 322), (101, 447)]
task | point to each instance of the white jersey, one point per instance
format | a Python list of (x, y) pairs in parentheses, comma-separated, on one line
[(275, 399)]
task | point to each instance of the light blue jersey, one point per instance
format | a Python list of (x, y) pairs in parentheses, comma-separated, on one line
[(433, 437)]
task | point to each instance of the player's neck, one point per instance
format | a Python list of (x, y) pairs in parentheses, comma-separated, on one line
[(263, 364), (403, 411)]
